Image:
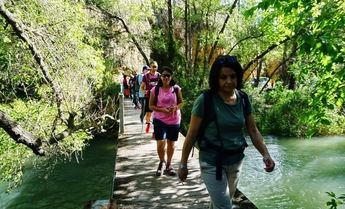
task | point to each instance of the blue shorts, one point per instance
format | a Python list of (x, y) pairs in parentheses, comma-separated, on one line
[(164, 131)]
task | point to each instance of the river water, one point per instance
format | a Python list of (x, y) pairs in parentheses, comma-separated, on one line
[(70, 185), (305, 171)]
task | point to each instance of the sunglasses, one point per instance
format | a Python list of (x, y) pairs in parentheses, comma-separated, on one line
[(154, 66), (226, 59), (166, 75)]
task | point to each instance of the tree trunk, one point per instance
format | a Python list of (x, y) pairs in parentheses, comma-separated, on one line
[(293, 53), (210, 56), (20, 135), (284, 73), (171, 48), (258, 73), (186, 32), (292, 80)]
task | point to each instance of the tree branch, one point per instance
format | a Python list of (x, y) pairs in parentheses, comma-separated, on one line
[(19, 29), (20, 135), (221, 31), (103, 11), (270, 48), (274, 71), (246, 38)]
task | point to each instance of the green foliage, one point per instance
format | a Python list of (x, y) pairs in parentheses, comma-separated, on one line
[(13, 157), (60, 31), (110, 88), (335, 201), (35, 117), (190, 93), (285, 112)]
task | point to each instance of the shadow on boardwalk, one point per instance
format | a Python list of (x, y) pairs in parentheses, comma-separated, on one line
[(137, 187)]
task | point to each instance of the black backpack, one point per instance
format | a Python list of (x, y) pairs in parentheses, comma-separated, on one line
[(209, 116)]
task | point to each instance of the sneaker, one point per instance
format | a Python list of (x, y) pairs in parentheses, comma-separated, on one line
[(147, 127), (160, 168)]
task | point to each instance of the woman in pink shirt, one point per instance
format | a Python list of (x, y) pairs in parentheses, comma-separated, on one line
[(166, 102)]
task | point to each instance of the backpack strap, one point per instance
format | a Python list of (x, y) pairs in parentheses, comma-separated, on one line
[(209, 113), (207, 117), (245, 102), (175, 91)]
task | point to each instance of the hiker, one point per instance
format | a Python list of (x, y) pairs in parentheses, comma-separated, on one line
[(141, 93), (222, 141), (134, 90), (166, 102), (125, 86), (150, 80)]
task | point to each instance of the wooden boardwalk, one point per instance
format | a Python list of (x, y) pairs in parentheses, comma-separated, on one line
[(137, 187)]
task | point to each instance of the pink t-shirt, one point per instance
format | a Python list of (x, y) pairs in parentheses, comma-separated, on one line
[(167, 98)]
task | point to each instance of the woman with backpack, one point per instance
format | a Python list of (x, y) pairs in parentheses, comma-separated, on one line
[(149, 81), (217, 122), (166, 102)]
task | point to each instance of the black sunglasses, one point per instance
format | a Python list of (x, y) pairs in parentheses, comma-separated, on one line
[(226, 59), (166, 75)]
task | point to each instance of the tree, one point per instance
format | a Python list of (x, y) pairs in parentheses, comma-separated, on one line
[(50, 46)]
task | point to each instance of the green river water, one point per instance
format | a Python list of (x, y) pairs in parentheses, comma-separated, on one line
[(305, 170), (69, 185)]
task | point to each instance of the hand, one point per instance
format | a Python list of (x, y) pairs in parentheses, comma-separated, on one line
[(173, 108), (182, 174), (269, 163)]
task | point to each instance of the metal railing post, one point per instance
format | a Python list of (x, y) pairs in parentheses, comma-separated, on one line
[(122, 126)]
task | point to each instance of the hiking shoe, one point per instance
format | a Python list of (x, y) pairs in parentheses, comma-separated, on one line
[(147, 127), (159, 169), (170, 170)]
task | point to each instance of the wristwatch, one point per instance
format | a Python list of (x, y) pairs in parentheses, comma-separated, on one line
[(183, 166)]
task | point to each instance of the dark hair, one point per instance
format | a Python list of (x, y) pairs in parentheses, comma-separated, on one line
[(169, 70), (224, 61)]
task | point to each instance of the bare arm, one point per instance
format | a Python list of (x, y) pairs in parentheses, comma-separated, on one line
[(180, 98), (194, 126), (259, 143), (143, 87)]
